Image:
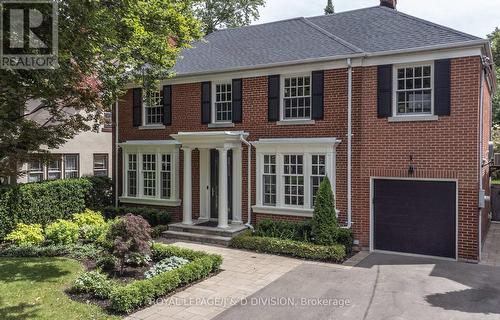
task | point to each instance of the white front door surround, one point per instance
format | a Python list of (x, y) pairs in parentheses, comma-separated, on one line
[(223, 141)]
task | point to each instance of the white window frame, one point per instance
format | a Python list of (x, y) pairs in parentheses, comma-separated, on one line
[(77, 170), (282, 96), (301, 146), (37, 171), (158, 150), (395, 90), (106, 164), (214, 102), (145, 106), (60, 171)]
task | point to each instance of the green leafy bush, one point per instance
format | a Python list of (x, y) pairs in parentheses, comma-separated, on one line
[(35, 251), (298, 231), (165, 265), (157, 232), (107, 262), (95, 283), (101, 193), (153, 216), (62, 232), (143, 292), (91, 225), (26, 234), (345, 237), (333, 253), (324, 222), (41, 203), (130, 235)]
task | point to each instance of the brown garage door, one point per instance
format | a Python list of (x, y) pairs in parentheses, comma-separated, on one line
[(415, 217)]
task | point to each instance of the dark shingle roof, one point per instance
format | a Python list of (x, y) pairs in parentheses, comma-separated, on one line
[(370, 30)]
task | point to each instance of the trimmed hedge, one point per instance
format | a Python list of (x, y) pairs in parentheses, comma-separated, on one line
[(298, 231), (306, 250), (143, 292), (154, 217), (42, 203), (73, 251)]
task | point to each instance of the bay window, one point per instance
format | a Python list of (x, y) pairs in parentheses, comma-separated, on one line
[(289, 172), (150, 173)]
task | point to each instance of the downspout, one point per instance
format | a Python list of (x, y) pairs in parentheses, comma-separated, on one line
[(481, 192), (249, 181), (349, 145), (116, 152)]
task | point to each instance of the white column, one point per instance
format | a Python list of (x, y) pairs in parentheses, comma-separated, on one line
[(187, 189), (223, 219), (237, 186)]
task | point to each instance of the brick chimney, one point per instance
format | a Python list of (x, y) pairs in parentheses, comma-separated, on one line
[(389, 3)]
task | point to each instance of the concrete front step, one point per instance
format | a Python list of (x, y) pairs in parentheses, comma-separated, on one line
[(196, 237), (230, 232)]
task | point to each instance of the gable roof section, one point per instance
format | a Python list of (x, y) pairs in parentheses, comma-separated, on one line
[(369, 30)]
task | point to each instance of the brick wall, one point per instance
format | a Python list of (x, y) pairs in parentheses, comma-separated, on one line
[(446, 148)]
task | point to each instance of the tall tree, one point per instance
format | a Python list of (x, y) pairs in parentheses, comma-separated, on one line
[(330, 9), (102, 46), (219, 14), (494, 37)]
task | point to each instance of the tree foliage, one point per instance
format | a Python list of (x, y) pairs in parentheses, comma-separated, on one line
[(495, 47), (102, 46), (219, 14), (330, 9)]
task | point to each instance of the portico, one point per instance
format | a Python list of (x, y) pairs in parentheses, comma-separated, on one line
[(220, 175)]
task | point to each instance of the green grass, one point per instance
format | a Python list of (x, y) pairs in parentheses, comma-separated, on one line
[(33, 288), (495, 181)]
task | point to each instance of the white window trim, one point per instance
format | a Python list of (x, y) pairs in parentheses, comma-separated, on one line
[(106, 169), (417, 116), (293, 121), (306, 147), (77, 170), (214, 123), (158, 150), (149, 126)]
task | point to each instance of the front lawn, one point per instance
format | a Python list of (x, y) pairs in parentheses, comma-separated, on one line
[(33, 288)]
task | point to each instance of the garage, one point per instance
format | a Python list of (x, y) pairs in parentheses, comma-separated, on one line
[(415, 216)]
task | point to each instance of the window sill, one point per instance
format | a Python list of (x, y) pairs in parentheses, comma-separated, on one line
[(295, 122), (284, 211), (221, 125), (153, 127), (413, 118), (147, 201)]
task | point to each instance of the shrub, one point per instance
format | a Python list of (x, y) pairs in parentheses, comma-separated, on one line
[(41, 203), (129, 235), (324, 223), (95, 283), (142, 292), (35, 251), (101, 193), (25, 234), (107, 262), (157, 231), (165, 265), (84, 251), (91, 225), (62, 232), (138, 260), (154, 217), (333, 253), (345, 237), (299, 231)]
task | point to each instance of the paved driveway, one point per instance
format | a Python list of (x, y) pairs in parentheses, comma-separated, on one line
[(380, 287)]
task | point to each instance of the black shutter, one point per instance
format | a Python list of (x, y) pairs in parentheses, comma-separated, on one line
[(442, 87), (273, 96), (206, 102), (384, 91), (137, 107), (318, 88), (167, 105), (237, 100)]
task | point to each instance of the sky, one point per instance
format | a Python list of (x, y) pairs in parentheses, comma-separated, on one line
[(477, 17)]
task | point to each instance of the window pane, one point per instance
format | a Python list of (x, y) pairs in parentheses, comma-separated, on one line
[(269, 180), (149, 174), (166, 176), (132, 175), (293, 180), (70, 166), (411, 99), (223, 103), (297, 98), (154, 108)]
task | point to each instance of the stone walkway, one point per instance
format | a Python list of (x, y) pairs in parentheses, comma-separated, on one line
[(244, 273), (491, 249)]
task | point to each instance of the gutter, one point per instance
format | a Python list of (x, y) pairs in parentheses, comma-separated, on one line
[(249, 181), (349, 145)]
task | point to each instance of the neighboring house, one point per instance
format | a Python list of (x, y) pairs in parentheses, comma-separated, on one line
[(395, 110), (88, 154)]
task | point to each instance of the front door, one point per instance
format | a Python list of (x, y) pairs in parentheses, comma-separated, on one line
[(214, 184)]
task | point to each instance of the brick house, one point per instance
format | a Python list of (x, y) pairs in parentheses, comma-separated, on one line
[(395, 110)]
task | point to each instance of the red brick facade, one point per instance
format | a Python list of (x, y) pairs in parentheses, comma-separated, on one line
[(446, 149)]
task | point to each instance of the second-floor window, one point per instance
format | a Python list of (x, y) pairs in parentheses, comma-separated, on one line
[(413, 90), (153, 109), (296, 97), (223, 107)]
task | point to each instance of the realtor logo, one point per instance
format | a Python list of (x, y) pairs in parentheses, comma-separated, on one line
[(28, 34)]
